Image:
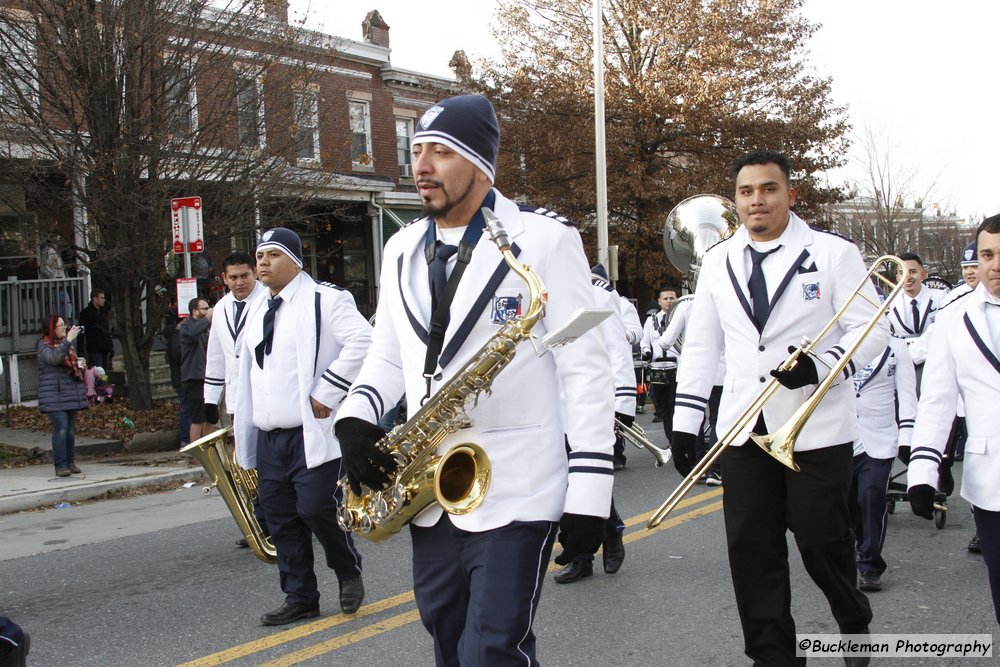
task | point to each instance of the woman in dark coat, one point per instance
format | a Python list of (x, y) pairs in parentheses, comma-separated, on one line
[(60, 390)]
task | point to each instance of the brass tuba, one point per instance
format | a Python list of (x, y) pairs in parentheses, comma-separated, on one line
[(694, 226), (458, 479), (236, 485)]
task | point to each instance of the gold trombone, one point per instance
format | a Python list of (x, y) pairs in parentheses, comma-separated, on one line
[(781, 443)]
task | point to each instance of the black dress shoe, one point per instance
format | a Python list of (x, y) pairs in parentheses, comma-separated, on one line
[(614, 554), (289, 613), (242, 543), (575, 571), (352, 594), (870, 582), (974, 545)]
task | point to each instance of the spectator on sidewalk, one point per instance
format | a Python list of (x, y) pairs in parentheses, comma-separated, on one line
[(95, 343), (172, 338), (194, 348), (60, 390)]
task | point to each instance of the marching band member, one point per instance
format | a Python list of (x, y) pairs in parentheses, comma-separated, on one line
[(628, 313), (612, 333), (964, 361), (476, 577), (759, 292), (887, 381), (662, 394), (299, 355), (970, 275), (684, 460), (245, 296), (912, 314)]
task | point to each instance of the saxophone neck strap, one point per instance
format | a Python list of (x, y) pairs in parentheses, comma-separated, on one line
[(441, 315)]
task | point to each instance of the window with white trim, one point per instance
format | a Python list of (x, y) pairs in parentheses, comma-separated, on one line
[(250, 110), (182, 100), (404, 133), (307, 125), (361, 133), (19, 78)]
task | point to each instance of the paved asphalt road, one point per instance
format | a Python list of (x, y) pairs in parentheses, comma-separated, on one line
[(157, 580)]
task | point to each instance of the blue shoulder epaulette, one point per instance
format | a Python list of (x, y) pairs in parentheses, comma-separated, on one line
[(601, 282), (827, 231), (327, 284), (547, 213), (955, 300)]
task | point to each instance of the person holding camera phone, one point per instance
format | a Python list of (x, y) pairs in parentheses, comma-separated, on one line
[(60, 390)]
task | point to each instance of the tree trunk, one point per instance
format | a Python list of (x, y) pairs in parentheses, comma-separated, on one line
[(135, 345)]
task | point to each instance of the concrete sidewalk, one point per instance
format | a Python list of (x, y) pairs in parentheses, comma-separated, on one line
[(34, 486), (37, 486)]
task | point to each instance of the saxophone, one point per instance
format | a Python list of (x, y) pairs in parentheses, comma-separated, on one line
[(458, 479)]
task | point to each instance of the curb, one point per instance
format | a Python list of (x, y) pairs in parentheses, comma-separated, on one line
[(35, 499)]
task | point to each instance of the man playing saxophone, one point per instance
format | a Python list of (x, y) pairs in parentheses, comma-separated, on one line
[(759, 292), (445, 294)]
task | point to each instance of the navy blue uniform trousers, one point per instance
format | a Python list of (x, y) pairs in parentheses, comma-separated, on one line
[(988, 530), (763, 500), (869, 512), (11, 636), (300, 502), (478, 592)]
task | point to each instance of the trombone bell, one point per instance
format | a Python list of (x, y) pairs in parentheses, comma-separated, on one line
[(780, 445)]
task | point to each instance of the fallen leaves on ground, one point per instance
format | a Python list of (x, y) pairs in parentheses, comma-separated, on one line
[(101, 421)]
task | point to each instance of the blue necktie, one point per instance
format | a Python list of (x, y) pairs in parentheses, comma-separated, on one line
[(916, 316), (439, 270), (264, 347), (238, 324), (758, 288)]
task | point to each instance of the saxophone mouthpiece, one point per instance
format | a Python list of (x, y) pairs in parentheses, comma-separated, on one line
[(495, 228)]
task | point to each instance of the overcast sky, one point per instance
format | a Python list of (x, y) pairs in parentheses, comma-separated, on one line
[(923, 71)]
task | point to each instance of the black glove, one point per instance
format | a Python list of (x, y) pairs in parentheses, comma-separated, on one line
[(211, 413), (628, 420), (804, 372), (579, 534), (922, 500), (364, 462), (682, 451), (647, 355)]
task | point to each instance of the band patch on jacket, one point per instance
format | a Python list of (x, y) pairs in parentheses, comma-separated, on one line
[(810, 291), (505, 308)]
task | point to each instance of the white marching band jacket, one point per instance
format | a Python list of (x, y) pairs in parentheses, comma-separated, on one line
[(519, 424), (224, 340), (962, 362), (888, 377), (929, 300), (333, 338), (820, 270), (615, 340), (651, 331), (630, 320)]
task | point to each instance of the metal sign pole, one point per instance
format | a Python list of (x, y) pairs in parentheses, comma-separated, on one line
[(184, 240), (600, 157)]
